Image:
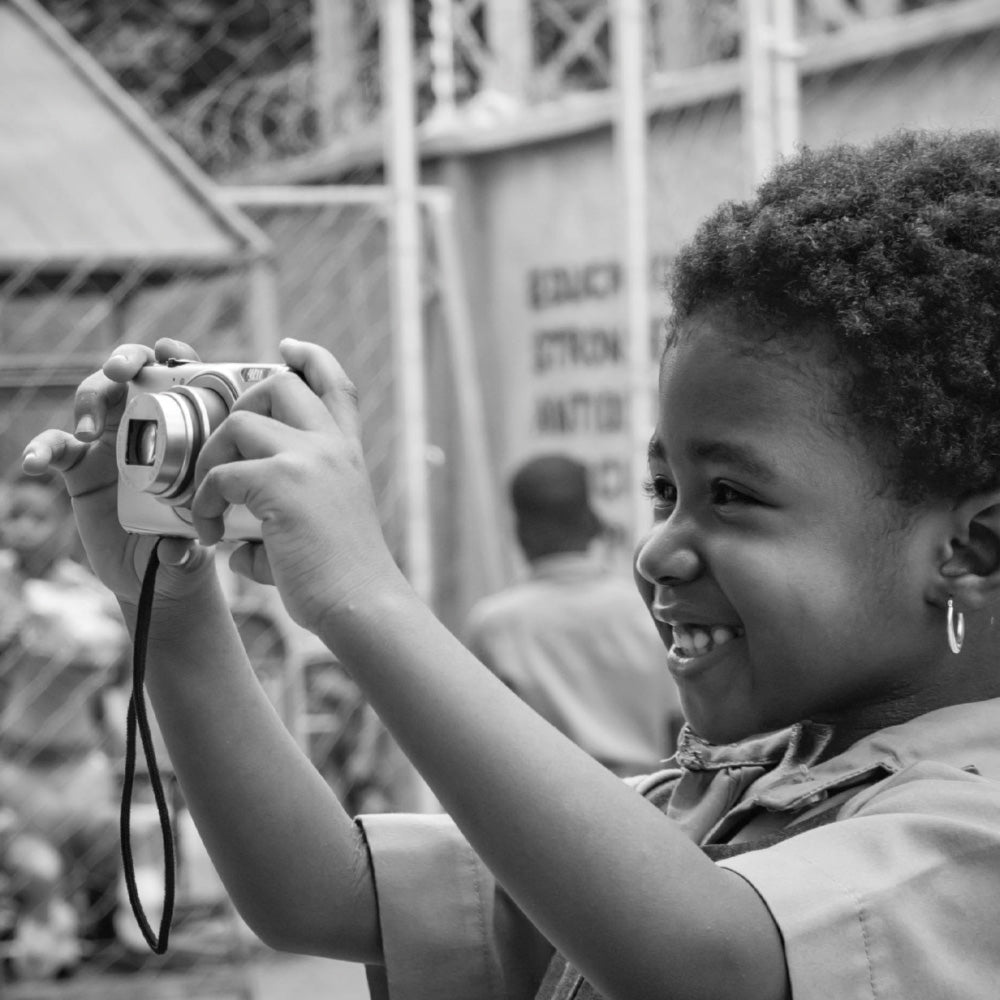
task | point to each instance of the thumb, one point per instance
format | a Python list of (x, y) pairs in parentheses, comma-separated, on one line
[(181, 552)]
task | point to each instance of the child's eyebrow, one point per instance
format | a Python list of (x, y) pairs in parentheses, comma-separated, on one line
[(655, 451), (742, 457)]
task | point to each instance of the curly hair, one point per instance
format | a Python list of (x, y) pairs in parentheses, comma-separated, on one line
[(891, 254)]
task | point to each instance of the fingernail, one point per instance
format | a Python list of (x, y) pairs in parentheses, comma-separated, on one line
[(174, 553), (124, 358), (85, 426)]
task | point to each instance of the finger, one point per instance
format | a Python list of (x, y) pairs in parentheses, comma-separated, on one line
[(96, 394), (323, 373), (173, 554), (250, 560), (167, 348), (124, 364), (56, 450), (285, 397), (106, 388), (52, 449), (178, 551), (223, 487), (242, 435)]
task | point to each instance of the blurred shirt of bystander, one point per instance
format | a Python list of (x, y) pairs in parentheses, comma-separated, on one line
[(573, 640)]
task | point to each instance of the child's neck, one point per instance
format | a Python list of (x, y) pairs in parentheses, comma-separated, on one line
[(969, 685)]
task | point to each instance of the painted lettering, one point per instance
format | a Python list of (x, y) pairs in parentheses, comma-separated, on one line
[(553, 286), (581, 412), (576, 347)]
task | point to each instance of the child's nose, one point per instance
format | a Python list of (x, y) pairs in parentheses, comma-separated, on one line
[(667, 554)]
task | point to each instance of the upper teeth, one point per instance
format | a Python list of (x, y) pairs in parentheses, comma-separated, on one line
[(694, 640)]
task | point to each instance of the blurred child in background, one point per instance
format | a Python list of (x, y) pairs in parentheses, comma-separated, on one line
[(64, 640)]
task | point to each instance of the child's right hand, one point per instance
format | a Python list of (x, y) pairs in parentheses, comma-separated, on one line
[(86, 460), (290, 451)]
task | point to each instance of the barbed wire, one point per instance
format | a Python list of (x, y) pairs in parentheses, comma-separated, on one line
[(236, 82)]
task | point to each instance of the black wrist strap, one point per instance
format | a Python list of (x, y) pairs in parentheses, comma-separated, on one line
[(137, 718)]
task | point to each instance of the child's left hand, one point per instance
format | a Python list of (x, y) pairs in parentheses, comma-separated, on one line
[(290, 451)]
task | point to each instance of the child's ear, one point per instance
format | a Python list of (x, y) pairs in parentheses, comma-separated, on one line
[(970, 570)]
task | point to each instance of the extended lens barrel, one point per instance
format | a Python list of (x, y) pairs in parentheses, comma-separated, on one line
[(162, 434)]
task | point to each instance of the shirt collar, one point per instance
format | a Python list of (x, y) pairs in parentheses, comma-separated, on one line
[(962, 736), (781, 771)]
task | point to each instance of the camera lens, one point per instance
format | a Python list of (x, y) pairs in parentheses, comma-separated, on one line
[(163, 436), (141, 442)]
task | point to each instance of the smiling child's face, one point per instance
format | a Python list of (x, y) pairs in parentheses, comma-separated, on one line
[(783, 581)]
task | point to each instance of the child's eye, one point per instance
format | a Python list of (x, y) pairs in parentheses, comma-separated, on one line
[(661, 491), (725, 495)]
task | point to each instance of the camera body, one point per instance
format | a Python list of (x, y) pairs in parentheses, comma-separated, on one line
[(170, 411)]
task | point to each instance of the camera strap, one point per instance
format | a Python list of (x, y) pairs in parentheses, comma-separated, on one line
[(137, 719)]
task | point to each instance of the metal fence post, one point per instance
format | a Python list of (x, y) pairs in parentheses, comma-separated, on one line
[(771, 83), (334, 66), (630, 134), (404, 268), (509, 38)]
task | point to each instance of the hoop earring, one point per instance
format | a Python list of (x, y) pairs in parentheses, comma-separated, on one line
[(956, 628)]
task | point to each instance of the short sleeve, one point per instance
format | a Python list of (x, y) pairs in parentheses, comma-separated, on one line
[(448, 932), (897, 898)]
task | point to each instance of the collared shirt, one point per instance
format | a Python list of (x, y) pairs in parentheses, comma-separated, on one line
[(895, 899), (576, 643)]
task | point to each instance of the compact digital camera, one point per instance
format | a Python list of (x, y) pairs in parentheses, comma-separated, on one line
[(170, 411)]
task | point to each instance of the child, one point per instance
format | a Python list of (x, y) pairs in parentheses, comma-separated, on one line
[(63, 641), (823, 568)]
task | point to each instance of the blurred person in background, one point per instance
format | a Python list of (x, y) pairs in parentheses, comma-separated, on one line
[(63, 640), (574, 640)]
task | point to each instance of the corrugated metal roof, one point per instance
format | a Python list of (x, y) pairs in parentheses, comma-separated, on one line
[(86, 178)]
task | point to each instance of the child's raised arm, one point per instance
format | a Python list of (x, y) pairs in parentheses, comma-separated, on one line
[(602, 873), (289, 855)]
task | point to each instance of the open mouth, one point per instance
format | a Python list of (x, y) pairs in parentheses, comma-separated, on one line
[(691, 641)]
